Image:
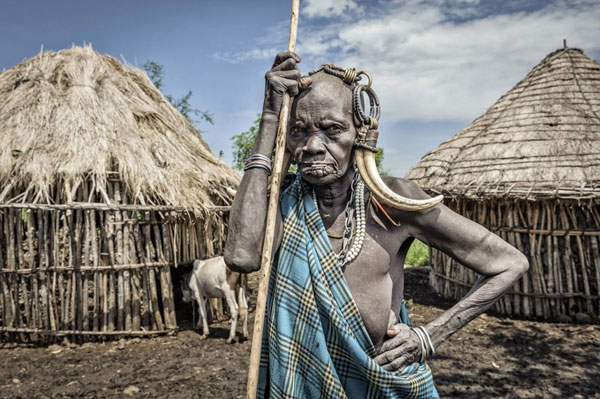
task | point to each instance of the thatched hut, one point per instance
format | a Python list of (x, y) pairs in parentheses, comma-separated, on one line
[(529, 170), (104, 186)]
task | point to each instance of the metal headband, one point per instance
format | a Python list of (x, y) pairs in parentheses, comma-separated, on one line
[(369, 124)]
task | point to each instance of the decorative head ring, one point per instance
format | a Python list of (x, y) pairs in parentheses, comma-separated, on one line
[(368, 133)]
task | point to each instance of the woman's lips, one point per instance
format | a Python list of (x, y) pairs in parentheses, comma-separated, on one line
[(316, 169)]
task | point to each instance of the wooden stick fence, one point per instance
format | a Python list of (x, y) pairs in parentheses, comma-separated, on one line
[(561, 238), (89, 270)]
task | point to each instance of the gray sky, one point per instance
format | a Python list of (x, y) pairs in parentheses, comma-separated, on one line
[(436, 64)]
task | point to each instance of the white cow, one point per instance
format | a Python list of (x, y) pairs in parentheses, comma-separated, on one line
[(211, 278)]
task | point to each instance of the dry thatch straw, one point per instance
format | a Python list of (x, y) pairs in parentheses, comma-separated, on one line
[(74, 115), (529, 170), (541, 139)]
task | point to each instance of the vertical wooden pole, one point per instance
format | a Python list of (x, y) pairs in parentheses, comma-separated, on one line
[(21, 279), (33, 276), (85, 260), (135, 273), (584, 265), (551, 284), (164, 255), (119, 258), (61, 249), (518, 220), (50, 259), (142, 287), (151, 274), (556, 261), (566, 257), (265, 272), (103, 289), (7, 300), (538, 253), (78, 235), (109, 226), (595, 240), (126, 273), (512, 241), (96, 317)]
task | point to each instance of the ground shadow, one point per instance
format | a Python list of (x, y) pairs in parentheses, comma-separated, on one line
[(497, 356)]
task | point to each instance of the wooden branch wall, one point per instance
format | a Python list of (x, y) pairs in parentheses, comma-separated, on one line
[(95, 272), (561, 240)]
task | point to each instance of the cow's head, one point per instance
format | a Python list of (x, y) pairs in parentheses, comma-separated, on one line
[(185, 288)]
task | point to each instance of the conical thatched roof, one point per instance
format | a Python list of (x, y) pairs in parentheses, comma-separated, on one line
[(540, 139), (74, 114)]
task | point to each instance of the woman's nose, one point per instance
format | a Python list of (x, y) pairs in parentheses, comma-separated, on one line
[(314, 145)]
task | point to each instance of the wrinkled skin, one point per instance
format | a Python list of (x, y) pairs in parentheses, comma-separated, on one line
[(320, 137)]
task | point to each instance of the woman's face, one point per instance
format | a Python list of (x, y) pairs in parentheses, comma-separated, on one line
[(321, 133)]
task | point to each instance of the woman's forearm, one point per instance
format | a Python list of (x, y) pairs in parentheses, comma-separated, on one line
[(484, 294), (249, 208)]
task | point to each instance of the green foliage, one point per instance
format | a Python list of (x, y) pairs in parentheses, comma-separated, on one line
[(243, 144), (418, 254), (183, 105), (156, 73), (379, 161)]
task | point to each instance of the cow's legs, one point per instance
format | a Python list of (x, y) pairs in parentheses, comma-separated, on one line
[(215, 309), (233, 309), (243, 310), (203, 315)]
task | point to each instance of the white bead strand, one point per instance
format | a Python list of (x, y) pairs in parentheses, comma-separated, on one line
[(360, 224)]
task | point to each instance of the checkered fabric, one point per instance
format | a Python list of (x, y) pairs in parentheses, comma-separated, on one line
[(315, 343)]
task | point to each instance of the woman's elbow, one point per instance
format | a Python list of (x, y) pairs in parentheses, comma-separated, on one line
[(519, 264), (240, 262)]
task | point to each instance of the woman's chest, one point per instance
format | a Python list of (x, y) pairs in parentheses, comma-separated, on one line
[(369, 279)]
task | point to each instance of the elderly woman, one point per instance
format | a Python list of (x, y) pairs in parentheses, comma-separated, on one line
[(336, 325)]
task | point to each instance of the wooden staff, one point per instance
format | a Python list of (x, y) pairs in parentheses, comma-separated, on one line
[(265, 269)]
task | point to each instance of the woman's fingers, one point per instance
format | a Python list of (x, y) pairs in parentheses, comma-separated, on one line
[(400, 363), (400, 333), (288, 64), (293, 74), (284, 55), (391, 356), (401, 350), (284, 81), (283, 77)]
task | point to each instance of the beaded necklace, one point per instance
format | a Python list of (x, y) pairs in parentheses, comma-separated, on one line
[(367, 208), (355, 223)]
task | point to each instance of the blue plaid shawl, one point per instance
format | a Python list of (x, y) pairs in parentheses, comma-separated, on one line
[(315, 344)]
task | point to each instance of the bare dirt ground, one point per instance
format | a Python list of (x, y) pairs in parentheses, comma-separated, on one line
[(491, 358)]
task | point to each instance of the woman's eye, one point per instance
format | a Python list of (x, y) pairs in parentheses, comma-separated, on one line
[(296, 131), (334, 129)]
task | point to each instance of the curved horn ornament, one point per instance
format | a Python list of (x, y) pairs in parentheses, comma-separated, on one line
[(365, 161)]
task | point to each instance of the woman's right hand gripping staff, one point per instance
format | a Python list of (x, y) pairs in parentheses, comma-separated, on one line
[(249, 210)]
